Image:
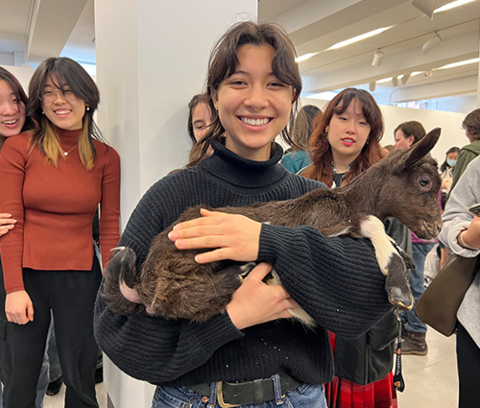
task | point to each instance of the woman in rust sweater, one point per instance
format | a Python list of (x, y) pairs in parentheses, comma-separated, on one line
[(53, 180)]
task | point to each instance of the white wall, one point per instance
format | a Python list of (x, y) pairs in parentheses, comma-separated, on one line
[(23, 74), (450, 122), (151, 59)]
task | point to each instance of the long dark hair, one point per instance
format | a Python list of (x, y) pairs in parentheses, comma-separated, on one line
[(194, 102), (68, 73), (303, 126), (19, 93), (223, 62), (445, 165), (321, 152)]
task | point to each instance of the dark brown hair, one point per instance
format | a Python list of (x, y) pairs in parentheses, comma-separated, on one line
[(223, 62), (321, 152), (303, 126), (471, 124), (411, 128), (194, 102), (69, 73), (18, 91)]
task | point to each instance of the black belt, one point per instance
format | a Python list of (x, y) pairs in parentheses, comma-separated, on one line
[(249, 392)]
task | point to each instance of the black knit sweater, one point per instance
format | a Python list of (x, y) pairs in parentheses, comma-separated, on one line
[(336, 280)]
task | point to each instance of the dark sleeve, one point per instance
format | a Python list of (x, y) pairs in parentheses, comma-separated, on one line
[(464, 157), (336, 280), (151, 348), (399, 233)]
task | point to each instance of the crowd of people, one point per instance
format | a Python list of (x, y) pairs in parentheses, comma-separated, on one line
[(57, 174)]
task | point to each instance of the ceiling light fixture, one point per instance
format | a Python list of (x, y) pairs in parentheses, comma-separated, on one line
[(359, 38), (452, 5), (372, 86), (432, 43), (305, 56), (395, 81), (377, 58), (459, 64), (425, 6)]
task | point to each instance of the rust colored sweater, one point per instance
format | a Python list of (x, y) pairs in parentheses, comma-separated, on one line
[(54, 207)]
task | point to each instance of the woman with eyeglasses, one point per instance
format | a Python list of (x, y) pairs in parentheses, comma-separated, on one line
[(53, 180)]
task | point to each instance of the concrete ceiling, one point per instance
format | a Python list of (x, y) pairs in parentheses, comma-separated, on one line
[(27, 35)]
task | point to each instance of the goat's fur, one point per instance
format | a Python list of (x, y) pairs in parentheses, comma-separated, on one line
[(404, 185)]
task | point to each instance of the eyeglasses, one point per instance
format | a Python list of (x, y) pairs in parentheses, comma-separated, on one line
[(52, 95)]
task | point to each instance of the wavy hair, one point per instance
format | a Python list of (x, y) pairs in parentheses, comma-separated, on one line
[(68, 73), (224, 60), (321, 168)]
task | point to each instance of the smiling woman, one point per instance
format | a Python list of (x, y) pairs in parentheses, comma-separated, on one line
[(252, 355), (53, 180)]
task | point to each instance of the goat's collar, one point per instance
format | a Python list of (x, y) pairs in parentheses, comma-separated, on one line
[(242, 172)]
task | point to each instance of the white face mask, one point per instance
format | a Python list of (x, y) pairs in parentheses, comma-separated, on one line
[(451, 162)]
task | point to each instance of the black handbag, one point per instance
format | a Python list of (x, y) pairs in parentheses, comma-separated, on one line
[(440, 302)]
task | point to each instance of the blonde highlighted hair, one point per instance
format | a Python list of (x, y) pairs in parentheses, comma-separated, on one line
[(66, 72)]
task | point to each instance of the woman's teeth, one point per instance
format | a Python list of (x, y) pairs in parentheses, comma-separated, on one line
[(10, 122), (255, 122)]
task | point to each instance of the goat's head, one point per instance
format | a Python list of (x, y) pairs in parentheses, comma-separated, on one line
[(413, 179)]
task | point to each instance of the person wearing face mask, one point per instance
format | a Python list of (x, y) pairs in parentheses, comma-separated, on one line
[(446, 169)]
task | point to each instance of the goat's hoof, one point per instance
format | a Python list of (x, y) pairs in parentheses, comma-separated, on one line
[(400, 299)]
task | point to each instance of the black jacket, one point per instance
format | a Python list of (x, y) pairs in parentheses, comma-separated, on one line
[(369, 358)]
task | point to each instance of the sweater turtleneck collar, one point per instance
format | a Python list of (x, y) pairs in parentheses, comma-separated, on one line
[(242, 172), (68, 138)]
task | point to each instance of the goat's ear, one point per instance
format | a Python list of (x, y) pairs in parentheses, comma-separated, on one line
[(419, 150)]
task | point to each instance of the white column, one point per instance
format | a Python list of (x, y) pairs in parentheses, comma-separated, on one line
[(151, 59)]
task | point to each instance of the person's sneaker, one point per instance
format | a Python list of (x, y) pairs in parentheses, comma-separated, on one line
[(53, 387), (414, 344)]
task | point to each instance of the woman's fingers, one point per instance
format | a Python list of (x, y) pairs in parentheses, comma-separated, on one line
[(19, 307), (233, 236), (255, 302), (6, 223)]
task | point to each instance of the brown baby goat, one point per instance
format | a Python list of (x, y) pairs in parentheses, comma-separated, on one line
[(404, 185)]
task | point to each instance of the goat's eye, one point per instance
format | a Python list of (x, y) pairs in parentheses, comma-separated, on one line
[(424, 182)]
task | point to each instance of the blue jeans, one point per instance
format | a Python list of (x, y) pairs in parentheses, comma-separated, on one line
[(419, 253), (305, 396)]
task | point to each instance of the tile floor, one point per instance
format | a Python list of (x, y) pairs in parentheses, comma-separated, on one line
[(430, 381)]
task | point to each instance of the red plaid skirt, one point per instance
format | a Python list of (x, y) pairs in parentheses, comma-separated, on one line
[(341, 393)]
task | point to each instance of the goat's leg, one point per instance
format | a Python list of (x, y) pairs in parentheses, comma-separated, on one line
[(389, 259)]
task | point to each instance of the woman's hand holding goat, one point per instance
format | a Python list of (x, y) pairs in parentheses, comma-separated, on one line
[(255, 302), (233, 236)]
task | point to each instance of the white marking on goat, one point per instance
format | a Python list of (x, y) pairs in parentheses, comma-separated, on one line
[(374, 229), (297, 313), (342, 232)]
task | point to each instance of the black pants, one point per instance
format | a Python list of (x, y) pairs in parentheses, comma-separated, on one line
[(468, 363), (71, 296)]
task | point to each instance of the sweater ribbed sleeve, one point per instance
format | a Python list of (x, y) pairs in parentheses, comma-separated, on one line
[(336, 280), (179, 353)]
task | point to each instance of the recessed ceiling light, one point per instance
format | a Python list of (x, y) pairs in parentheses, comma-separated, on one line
[(359, 38), (452, 5)]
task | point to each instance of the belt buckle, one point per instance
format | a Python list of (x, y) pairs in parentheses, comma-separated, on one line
[(220, 400)]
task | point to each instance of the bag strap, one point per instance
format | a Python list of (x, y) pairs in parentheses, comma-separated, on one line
[(398, 382)]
